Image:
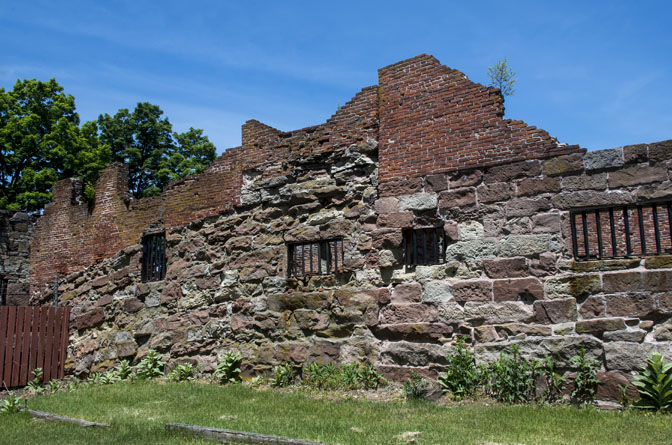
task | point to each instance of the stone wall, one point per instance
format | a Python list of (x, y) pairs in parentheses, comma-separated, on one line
[(15, 231), (509, 276)]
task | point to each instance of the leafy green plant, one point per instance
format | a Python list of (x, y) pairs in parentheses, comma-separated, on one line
[(370, 378), (415, 387), (654, 385), (323, 377), (54, 385), (182, 372), (228, 369), (462, 377), (283, 375), (150, 366), (109, 377), (586, 381), (35, 385), (95, 378), (72, 384), (625, 400), (12, 404), (554, 381), (512, 378), (124, 370)]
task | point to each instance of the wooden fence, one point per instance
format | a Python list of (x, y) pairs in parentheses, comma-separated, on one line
[(32, 337)]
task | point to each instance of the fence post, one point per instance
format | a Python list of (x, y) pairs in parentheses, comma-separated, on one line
[(55, 290)]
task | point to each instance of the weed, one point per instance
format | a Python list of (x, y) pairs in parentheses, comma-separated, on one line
[(655, 385), (11, 404), (513, 378), (228, 369), (109, 377), (150, 366), (54, 385), (35, 385), (554, 381), (182, 372), (623, 396), (462, 376), (369, 378), (124, 370), (586, 381), (415, 387), (284, 375)]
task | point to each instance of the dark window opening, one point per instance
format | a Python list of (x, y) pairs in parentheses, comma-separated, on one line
[(154, 257), (621, 231), (315, 258), (424, 246), (3, 291)]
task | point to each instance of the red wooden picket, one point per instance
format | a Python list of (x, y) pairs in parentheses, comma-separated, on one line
[(32, 337)]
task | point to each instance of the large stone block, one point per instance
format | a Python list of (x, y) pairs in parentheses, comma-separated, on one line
[(407, 293), (509, 172), (622, 282), (637, 175), (396, 220), (90, 318), (577, 286), (660, 151), (409, 313), (437, 291), (423, 332), (472, 290), (471, 250), (412, 354), (603, 159), (658, 262), (387, 238), (495, 313), (658, 281), (599, 325), (436, 183), (466, 179), (628, 356), (386, 205), (585, 198), (635, 154), (555, 311), (537, 186), (457, 198), (597, 181), (499, 191), (526, 206), (521, 289), (419, 201), (506, 267), (630, 305), (524, 245), (593, 307), (563, 165)]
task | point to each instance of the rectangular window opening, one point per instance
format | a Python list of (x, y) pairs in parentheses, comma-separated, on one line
[(621, 231), (323, 257), (154, 257), (424, 246)]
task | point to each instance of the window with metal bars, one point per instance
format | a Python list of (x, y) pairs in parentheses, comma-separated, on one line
[(154, 257), (315, 258), (3, 291), (621, 231), (424, 246)]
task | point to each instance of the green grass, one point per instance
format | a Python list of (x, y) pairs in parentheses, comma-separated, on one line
[(138, 411)]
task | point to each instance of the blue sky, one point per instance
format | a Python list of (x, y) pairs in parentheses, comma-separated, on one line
[(593, 73)]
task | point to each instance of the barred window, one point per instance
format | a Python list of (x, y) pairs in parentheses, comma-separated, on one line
[(621, 231), (153, 257), (3, 291), (424, 246), (315, 258)]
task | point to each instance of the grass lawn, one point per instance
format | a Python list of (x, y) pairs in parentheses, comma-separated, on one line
[(138, 411)]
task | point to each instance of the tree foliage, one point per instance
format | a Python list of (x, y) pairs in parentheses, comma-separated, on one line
[(155, 154), (502, 77), (42, 141)]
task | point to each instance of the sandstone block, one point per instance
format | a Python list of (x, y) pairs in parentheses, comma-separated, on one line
[(466, 179), (298, 300), (577, 286), (637, 175), (512, 329), (412, 354), (386, 205), (627, 356), (472, 290), (494, 313), (90, 318), (526, 206), (555, 311), (660, 151), (563, 165), (537, 186), (622, 282), (506, 267), (423, 332), (664, 303), (604, 265), (387, 238), (597, 181), (593, 307), (630, 305), (603, 159), (546, 223), (658, 262), (524, 245), (132, 305), (403, 187), (663, 332), (522, 289), (658, 281), (508, 172), (409, 313), (436, 183), (407, 293), (610, 386), (457, 198), (471, 250), (499, 191), (635, 154), (599, 325), (418, 201), (585, 198), (634, 335), (396, 220), (485, 334), (470, 230)]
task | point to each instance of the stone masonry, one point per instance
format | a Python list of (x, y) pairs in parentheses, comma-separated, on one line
[(424, 148)]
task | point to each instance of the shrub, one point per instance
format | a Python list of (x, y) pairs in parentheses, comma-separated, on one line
[(11, 404), (462, 377), (512, 378), (182, 372), (283, 375), (228, 369), (150, 366), (654, 385), (585, 382)]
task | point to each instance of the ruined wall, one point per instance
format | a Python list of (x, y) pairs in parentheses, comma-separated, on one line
[(15, 231), (508, 277)]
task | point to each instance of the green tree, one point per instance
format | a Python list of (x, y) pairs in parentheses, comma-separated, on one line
[(155, 155), (502, 77), (41, 142)]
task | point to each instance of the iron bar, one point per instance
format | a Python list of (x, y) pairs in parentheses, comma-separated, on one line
[(599, 233), (584, 221), (628, 244), (656, 229), (642, 234), (572, 225), (612, 227)]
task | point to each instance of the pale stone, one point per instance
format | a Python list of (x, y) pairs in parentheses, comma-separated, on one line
[(471, 250), (437, 291), (419, 201), (470, 231), (603, 159), (497, 312), (524, 245)]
